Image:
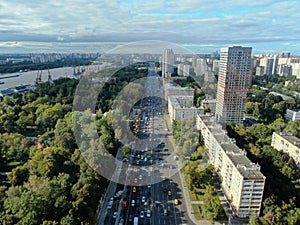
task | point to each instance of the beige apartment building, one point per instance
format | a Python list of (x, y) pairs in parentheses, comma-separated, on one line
[(287, 143), (241, 179)]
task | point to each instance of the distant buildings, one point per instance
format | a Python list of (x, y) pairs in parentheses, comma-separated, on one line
[(183, 69), (201, 67), (215, 67), (241, 180), (234, 79), (282, 64), (167, 63), (287, 143), (47, 57)]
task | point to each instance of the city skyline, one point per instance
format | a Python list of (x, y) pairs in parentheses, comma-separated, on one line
[(268, 26)]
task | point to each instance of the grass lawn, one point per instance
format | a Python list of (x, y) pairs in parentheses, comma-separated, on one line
[(197, 211), (197, 194)]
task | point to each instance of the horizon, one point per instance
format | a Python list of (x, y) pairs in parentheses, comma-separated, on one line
[(106, 47)]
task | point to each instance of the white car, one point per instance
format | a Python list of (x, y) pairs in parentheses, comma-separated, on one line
[(132, 203), (143, 198), (140, 176), (115, 215), (148, 213), (110, 204)]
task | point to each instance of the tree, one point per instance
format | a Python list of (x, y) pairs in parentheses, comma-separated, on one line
[(18, 175), (211, 204)]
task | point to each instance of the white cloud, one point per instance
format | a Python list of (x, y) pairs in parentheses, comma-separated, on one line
[(184, 21)]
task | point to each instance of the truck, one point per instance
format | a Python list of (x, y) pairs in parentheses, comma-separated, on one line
[(136, 221)]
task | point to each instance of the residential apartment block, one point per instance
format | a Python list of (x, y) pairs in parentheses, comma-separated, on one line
[(170, 89), (167, 63), (287, 143), (235, 74), (292, 114), (182, 107), (241, 179)]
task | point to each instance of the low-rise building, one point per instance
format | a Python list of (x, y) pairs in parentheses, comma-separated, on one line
[(292, 114), (288, 143), (182, 107), (170, 90), (241, 179)]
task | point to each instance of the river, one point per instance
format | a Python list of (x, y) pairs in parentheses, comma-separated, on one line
[(30, 76)]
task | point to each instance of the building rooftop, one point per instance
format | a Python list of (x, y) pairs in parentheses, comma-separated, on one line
[(284, 97), (246, 168), (178, 101), (294, 110), (170, 86), (237, 156), (290, 138)]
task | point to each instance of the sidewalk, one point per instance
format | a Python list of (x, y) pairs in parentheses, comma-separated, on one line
[(185, 191)]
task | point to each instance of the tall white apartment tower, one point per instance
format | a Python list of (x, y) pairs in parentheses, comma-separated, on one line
[(167, 63), (235, 76)]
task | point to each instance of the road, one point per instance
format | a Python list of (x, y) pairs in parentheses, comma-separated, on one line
[(152, 182)]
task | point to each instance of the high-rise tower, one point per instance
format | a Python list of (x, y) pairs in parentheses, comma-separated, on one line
[(235, 76), (167, 63)]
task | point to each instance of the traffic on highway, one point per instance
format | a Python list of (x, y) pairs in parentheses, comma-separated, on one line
[(150, 195)]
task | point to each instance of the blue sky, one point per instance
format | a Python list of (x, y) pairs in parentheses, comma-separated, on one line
[(269, 26)]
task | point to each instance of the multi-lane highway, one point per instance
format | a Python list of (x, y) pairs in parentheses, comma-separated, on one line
[(152, 194)]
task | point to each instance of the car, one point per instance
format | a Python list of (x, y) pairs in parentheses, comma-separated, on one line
[(149, 186), (176, 202), (148, 213), (135, 180), (143, 198), (109, 206), (142, 214), (140, 176), (134, 189), (130, 217), (132, 202), (115, 215), (169, 193), (118, 194)]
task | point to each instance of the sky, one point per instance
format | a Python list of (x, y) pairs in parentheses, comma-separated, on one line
[(203, 26)]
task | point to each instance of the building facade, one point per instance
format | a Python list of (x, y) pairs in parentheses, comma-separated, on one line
[(287, 143), (235, 74), (292, 114), (241, 179), (176, 90), (167, 62), (182, 108)]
